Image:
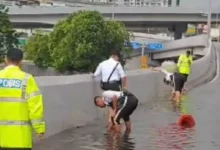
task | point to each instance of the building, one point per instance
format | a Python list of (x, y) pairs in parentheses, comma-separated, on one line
[(24, 2), (148, 3)]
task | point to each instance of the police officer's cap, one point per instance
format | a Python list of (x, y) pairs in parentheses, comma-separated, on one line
[(14, 55)]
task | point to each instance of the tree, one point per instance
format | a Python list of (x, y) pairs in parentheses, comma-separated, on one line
[(80, 42), (39, 50), (8, 37)]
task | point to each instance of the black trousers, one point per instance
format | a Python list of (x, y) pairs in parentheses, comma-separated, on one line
[(2, 148), (179, 81), (127, 107), (114, 86)]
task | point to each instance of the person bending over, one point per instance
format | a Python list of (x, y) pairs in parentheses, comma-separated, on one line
[(176, 80), (121, 105)]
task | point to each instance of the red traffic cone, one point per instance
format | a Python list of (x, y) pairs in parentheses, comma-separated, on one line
[(186, 121)]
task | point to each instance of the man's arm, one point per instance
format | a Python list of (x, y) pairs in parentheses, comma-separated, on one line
[(161, 70), (179, 61), (110, 115), (122, 75), (35, 106), (115, 103), (97, 71)]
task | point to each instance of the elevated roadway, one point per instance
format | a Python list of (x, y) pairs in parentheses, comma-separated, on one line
[(133, 17), (172, 50)]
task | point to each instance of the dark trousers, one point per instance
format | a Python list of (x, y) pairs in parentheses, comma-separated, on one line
[(114, 86), (2, 148)]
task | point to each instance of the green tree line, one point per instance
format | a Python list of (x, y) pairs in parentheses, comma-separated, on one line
[(78, 43)]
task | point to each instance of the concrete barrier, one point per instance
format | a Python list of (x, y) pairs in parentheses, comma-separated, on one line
[(204, 69), (190, 42), (69, 99)]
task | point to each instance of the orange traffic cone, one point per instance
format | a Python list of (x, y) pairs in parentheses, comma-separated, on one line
[(186, 121)]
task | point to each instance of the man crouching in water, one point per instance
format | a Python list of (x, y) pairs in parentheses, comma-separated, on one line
[(121, 105)]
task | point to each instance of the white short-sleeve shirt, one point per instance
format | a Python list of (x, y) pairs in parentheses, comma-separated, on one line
[(105, 68), (108, 96)]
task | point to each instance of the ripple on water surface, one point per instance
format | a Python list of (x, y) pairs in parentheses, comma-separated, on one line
[(154, 128)]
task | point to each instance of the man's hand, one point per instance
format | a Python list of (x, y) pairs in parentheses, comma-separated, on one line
[(40, 135), (124, 89), (92, 75), (110, 126)]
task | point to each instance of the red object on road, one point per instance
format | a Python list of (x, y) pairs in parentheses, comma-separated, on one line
[(186, 121)]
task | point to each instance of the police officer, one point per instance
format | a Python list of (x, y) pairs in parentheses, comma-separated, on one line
[(184, 63), (21, 105), (112, 73)]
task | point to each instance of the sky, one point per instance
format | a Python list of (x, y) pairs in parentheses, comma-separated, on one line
[(201, 4)]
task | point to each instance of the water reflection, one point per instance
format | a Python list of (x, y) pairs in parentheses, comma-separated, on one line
[(153, 129), (183, 107), (173, 137), (116, 141)]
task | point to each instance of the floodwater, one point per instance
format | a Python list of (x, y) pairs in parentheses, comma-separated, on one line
[(154, 127)]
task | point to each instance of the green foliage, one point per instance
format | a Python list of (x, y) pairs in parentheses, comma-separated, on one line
[(8, 37), (39, 50), (78, 43)]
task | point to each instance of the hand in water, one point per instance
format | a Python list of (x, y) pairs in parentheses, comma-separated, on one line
[(110, 125), (40, 135)]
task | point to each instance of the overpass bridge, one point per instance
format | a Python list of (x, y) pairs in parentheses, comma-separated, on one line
[(135, 18), (171, 51)]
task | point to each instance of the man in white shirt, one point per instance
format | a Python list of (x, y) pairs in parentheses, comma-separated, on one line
[(176, 80), (121, 106), (112, 73)]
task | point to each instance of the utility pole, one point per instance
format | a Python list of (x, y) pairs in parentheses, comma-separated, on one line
[(209, 18)]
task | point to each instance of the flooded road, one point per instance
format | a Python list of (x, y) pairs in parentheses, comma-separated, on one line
[(154, 127)]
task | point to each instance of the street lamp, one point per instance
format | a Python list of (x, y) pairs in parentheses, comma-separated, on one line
[(113, 10), (209, 18)]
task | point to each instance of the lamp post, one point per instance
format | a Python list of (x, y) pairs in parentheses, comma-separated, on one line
[(113, 10), (209, 18)]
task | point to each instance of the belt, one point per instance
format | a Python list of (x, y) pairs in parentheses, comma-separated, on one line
[(114, 81)]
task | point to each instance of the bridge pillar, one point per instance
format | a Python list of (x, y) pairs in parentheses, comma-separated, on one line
[(178, 29)]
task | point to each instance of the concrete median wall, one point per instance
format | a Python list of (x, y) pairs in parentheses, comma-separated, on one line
[(69, 99), (204, 69)]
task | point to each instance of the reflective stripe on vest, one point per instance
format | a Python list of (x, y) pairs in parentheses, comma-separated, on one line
[(23, 99), (14, 122)]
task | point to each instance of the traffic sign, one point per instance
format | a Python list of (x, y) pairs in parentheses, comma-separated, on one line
[(155, 46), (135, 45)]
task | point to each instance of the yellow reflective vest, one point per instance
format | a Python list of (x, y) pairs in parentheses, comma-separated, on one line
[(21, 108), (184, 64)]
